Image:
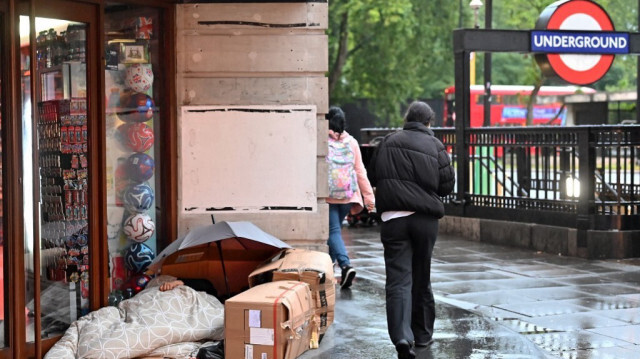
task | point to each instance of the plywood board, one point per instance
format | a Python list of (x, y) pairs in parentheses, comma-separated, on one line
[(248, 158)]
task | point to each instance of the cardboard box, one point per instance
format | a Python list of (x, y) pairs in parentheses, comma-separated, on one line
[(270, 321), (312, 267)]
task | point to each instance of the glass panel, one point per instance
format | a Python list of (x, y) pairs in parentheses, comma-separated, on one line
[(27, 150), (61, 160), (132, 124)]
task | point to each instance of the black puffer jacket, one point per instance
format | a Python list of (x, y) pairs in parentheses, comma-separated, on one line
[(411, 170)]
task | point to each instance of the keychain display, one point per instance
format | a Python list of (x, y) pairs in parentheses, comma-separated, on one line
[(63, 136)]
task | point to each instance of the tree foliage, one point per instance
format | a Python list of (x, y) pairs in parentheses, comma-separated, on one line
[(391, 52)]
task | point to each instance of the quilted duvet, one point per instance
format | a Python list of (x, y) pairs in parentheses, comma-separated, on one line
[(152, 323)]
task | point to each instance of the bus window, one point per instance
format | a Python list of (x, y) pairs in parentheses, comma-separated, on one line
[(545, 100), (509, 104), (510, 99), (495, 99)]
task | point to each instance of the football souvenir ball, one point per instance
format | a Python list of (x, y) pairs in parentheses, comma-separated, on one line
[(140, 166), (138, 257), (136, 107), (139, 137), (139, 227), (139, 77), (138, 198)]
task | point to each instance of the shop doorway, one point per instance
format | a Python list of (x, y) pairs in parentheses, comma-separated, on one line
[(63, 110), (58, 107), (55, 165)]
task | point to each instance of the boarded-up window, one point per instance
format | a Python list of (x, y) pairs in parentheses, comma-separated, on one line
[(248, 158)]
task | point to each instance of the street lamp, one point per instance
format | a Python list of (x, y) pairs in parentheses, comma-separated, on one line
[(475, 5)]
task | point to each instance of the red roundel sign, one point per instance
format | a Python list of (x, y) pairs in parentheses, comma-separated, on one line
[(582, 15)]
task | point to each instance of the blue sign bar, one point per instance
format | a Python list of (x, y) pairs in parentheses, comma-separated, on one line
[(546, 113), (567, 42)]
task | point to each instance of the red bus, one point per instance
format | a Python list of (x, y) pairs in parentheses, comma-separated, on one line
[(509, 105)]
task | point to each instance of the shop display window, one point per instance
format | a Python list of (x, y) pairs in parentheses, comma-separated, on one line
[(132, 85)]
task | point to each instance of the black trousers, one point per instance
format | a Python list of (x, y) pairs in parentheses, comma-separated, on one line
[(408, 245)]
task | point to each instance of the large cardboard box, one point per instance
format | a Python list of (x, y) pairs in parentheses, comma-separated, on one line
[(270, 321), (312, 267)]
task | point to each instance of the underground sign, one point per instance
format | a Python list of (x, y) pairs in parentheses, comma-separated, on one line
[(575, 40)]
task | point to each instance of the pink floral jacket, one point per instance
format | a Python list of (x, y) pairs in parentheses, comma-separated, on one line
[(364, 187)]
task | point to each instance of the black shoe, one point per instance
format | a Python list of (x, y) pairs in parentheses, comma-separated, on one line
[(405, 351), (348, 273), (424, 344)]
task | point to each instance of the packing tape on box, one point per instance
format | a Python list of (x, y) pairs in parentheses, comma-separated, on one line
[(290, 324), (301, 272), (299, 319), (314, 343), (323, 298), (322, 315)]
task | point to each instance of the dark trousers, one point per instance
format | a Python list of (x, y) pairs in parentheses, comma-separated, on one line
[(408, 245)]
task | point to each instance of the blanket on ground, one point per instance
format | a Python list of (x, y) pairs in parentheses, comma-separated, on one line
[(152, 323)]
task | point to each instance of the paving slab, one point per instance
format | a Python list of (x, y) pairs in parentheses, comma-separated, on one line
[(629, 352), (605, 302), (627, 333), (543, 308), (608, 289), (559, 342), (491, 298), (494, 301)]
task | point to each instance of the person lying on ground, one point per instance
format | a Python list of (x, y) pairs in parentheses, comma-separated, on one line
[(197, 284), (172, 324)]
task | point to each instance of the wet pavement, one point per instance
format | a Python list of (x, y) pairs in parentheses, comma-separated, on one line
[(494, 302)]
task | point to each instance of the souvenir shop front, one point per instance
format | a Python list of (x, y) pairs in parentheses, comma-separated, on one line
[(88, 160)]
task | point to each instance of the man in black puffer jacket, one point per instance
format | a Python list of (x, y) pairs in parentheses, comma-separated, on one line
[(411, 170)]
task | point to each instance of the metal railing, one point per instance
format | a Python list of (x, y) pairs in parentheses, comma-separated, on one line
[(586, 177)]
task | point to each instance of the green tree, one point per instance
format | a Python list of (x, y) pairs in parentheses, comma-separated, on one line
[(391, 52), (623, 74), (388, 52)]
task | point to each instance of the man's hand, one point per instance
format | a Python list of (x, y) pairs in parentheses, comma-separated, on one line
[(170, 285)]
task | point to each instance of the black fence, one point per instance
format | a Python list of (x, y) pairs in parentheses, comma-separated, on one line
[(585, 177)]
